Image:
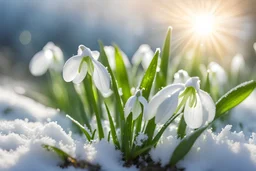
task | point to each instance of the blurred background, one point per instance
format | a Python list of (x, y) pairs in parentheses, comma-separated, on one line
[(27, 25)]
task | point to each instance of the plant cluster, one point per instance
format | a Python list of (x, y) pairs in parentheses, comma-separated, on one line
[(139, 100)]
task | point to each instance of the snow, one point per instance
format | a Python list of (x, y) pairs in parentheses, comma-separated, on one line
[(225, 151), (140, 139), (14, 106), (26, 125)]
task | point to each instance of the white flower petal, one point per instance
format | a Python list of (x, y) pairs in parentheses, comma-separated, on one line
[(194, 115), (129, 105), (181, 76), (136, 110), (101, 78), (84, 51), (144, 102), (140, 53), (71, 67), (49, 46), (40, 63), (193, 82), (167, 108), (159, 98), (95, 54), (58, 61), (80, 76), (209, 108)]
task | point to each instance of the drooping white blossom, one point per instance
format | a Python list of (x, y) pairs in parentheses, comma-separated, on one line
[(144, 54), (50, 57), (237, 64), (133, 105), (181, 76), (76, 68), (110, 52), (218, 75), (198, 105)]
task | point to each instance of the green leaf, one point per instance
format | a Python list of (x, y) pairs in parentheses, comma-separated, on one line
[(148, 78), (63, 155), (207, 86), (234, 97), (128, 136), (88, 136), (121, 74), (150, 129), (185, 145), (162, 75), (120, 119), (181, 132), (112, 128), (166, 54)]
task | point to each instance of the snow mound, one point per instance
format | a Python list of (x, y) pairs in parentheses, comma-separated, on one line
[(14, 106), (227, 151)]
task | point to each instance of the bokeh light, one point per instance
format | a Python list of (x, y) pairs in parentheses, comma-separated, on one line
[(25, 37)]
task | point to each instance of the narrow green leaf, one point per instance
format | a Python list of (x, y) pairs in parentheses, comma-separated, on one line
[(181, 132), (88, 136), (185, 145), (120, 119), (148, 78), (162, 75), (93, 134), (112, 128), (150, 129), (121, 74), (62, 154), (207, 86), (234, 97), (109, 134), (128, 136), (166, 54)]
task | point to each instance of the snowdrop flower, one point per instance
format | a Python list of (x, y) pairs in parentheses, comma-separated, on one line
[(144, 55), (133, 105), (181, 76), (76, 68), (51, 57), (110, 52), (198, 106), (237, 64), (217, 74)]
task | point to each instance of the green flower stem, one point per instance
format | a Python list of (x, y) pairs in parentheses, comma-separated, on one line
[(90, 93), (138, 123)]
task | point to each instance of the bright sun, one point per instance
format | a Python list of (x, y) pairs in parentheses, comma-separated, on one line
[(204, 24)]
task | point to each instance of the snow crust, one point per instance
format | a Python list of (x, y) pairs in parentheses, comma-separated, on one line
[(25, 125)]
